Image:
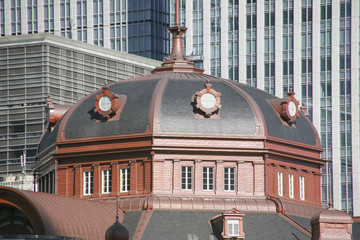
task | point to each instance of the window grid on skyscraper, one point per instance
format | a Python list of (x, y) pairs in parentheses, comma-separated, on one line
[(49, 16), (81, 20), (183, 20), (98, 23), (269, 46), (198, 32), (215, 38), (233, 33), (345, 106), (65, 18), (32, 16), (325, 90), (2, 18), (15, 17), (306, 55), (288, 46), (118, 26), (251, 43)]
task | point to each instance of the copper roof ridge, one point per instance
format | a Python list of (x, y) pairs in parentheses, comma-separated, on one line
[(197, 203), (177, 61), (49, 211)]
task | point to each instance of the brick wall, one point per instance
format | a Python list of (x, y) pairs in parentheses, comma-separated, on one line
[(249, 177)]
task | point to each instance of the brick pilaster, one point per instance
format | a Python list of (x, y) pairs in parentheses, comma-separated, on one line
[(219, 187), (133, 177), (97, 181), (78, 185), (176, 176), (259, 183), (198, 177), (115, 181)]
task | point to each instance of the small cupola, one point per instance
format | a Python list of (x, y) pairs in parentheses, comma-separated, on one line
[(117, 232)]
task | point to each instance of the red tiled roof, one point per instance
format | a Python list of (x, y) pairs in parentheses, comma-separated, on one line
[(64, 216)]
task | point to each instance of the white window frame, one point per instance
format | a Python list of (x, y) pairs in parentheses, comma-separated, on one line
[(233, 227), (186, 178), (302, 187), (125, 179), (106, 181), (208, 178), (291, 185), (88, 182), (280, 183), (229, 179)]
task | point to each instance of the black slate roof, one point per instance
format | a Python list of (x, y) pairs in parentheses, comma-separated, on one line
[(305, 222), (184, 225), (237, 117), (302, 132), (130, 221), (176, 116), (48, 138), (133, 119), (356, 230)]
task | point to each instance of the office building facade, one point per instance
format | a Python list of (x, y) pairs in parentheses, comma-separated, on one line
[(310, 47), (34, 67), (136, 26)]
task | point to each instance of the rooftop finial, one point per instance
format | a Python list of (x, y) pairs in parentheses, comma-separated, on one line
[(177, 13), (117, 208), (177, 61)]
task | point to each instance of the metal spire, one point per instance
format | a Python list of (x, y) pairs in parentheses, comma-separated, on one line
[(177, 61)]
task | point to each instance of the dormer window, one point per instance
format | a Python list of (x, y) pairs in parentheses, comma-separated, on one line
[(287, 108), (109, 105), (228, 225), (233, 227)]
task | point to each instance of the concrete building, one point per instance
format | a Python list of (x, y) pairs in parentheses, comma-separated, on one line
[(32, 67), (136, 26), (311, 47)]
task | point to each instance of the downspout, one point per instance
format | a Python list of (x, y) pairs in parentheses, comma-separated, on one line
[(56, 177)]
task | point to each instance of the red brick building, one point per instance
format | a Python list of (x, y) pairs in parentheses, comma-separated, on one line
[(190, 156), (160, 134)]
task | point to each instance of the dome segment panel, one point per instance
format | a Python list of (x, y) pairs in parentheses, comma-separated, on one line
[(177, 113), (84, 122), (302, 131)]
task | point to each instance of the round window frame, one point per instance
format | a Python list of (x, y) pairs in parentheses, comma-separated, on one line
[(114, 103), (208, 111)]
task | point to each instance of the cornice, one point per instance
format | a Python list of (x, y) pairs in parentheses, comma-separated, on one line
[(293, 143)]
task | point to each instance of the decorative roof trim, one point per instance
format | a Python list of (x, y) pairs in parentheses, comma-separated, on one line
[(54, 113), (210, 203)]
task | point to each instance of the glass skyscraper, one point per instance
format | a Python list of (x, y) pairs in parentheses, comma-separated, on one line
[(133, 26), (309, 46)]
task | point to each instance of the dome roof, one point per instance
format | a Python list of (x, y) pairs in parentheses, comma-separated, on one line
[(117, 232), (164, 103), (178, 100)]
